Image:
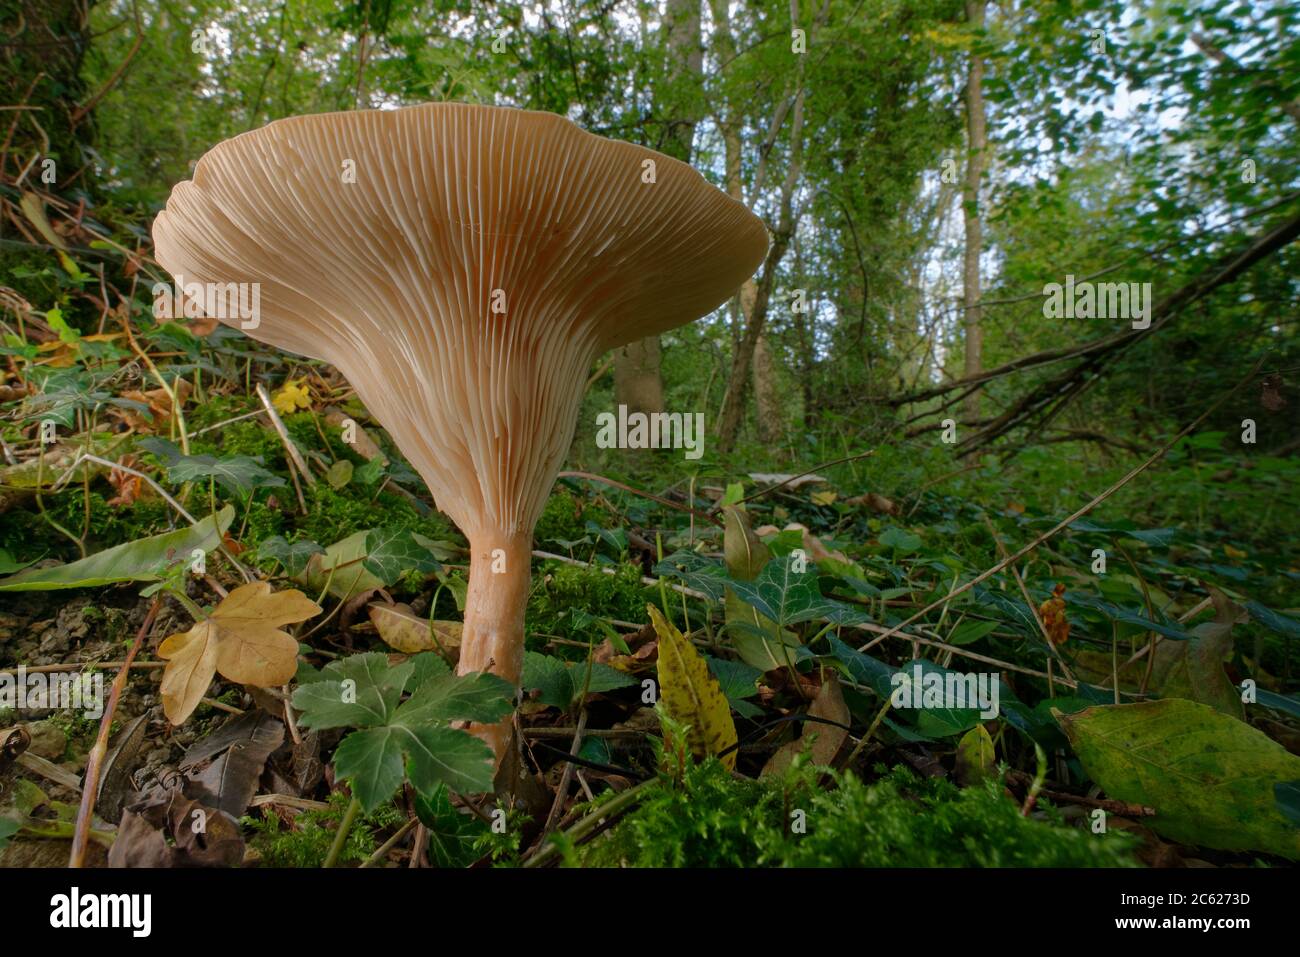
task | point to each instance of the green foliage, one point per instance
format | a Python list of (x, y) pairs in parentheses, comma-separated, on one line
[(563, 588), (900, 820), (307, 841), (411, 738)]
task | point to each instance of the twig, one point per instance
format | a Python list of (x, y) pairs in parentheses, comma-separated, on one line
[(563, 787), (95, 760), (389, 844)]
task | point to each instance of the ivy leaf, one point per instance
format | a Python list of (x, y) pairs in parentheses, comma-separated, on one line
[(390, 553), (560, 682), (293, 557), (1211, 778), (787, 597), (699, 572), (241, 639), (691, 695), (738, 682), (238, 474), (452, 835)]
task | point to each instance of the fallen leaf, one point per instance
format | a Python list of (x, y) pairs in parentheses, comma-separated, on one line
[(1209, 777), (826, 739), (176, 831), (223, 769), (1194, 668), (975, 760), (691, 695), (240, 639), (1052, 612), (407, 632)]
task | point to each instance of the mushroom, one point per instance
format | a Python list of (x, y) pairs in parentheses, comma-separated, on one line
[(462, 266)]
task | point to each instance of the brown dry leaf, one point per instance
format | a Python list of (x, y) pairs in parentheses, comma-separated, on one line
[(159, 403), (876, 502), (1052, 612), (174, 831), (827, 739), (407, 632), (241, 639), (129, 487)]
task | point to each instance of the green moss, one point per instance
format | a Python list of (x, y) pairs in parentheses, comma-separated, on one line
[(250, 437), (714, 820), (307, 842), (561, 588), (565, 518)]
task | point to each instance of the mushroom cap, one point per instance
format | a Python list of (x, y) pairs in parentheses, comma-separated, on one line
[(462, 266)]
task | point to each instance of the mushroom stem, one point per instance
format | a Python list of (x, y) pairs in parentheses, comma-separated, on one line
[(493, 635)]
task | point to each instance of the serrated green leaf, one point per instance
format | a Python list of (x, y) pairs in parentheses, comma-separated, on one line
[(371, 762)]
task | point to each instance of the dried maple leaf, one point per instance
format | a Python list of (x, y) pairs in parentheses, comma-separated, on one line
[(1052, 612), (293, 395), (241, 639)]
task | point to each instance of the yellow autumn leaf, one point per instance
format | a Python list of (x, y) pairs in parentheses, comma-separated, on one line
[(826, 497), (293, 395), (241, 639), (691, 695), (1234, 553)]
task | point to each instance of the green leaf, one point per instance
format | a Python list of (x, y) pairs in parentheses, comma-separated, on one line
[(900, 541), (560, 682), (339, 474), (785, 596), (1274, 621), (437, 755), (144, 560), (969, 632), (360, 691), (238, 474), (346, 558), (1210, 777), (391, 552), (738, 682), (409, 739), (293, 558), (453, 835), (975, 760), (1194, 668), (703, 574), (448, 697), (9, 565), (369, 473), (371, 762)]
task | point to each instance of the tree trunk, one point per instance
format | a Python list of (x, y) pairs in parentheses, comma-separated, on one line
[(766, 399), (638, 378), (976, 144)]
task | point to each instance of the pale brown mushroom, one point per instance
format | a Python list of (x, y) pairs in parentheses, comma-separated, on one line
[(462, 266)]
